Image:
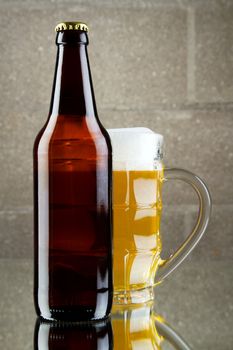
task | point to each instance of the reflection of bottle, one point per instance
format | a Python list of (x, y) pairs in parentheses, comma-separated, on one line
[(72, 193), (73, 336), (139, 328)]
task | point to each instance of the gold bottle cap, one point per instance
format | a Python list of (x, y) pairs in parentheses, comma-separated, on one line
[(71, 26)]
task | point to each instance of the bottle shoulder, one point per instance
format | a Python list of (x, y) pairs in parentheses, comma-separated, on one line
[(75, 131)]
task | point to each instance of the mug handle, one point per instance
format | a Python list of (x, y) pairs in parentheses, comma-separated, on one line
[(168, 265)]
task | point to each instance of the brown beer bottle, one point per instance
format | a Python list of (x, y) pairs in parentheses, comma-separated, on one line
[(72, 193)]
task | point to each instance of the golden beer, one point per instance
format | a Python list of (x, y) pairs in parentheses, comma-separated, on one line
[(136, 220)]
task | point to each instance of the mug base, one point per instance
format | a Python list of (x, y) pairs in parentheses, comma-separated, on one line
[(134, 296)]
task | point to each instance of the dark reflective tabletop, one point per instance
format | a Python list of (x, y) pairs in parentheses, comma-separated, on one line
[(134, 327), (186, 314)]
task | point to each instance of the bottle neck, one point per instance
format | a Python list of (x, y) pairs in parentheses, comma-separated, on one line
[(72, 89)]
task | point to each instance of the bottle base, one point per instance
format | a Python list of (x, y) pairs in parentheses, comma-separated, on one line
[(77, 315)]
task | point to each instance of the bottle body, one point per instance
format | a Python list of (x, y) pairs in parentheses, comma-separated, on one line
[(72, 201)]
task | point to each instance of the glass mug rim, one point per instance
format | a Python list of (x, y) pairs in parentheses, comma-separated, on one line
[(140, 142), (129, 145)]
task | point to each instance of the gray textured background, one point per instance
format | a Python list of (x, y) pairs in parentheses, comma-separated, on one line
[(167, 65)]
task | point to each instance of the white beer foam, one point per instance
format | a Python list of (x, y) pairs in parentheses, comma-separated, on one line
[(136, 148)]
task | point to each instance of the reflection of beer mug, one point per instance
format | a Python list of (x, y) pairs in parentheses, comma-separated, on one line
[(139, 328), (138, 175)]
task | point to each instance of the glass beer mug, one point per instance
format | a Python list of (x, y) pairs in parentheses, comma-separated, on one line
[(138, 175)]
